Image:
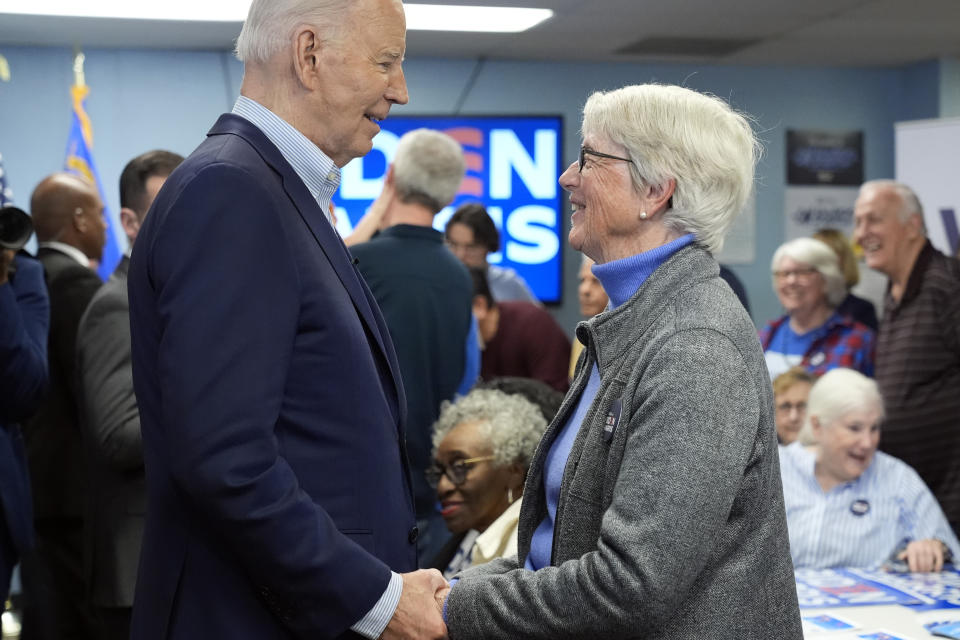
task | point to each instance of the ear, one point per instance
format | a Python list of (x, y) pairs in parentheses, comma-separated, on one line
[(130, 222), (515, 476), (79, 221), (389, 179), (816, 427), (480, 307), (306, 63), (657, 196)]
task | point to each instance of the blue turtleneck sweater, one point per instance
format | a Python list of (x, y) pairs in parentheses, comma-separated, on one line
[(621, 279)]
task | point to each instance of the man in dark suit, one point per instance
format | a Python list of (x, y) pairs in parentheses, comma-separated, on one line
[(68, 217), (271, 407), (24, 322), (113, 451)]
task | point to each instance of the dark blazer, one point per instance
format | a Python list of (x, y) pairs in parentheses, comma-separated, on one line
[(24, 323), (271, 408), (116, 491), (53, 433)]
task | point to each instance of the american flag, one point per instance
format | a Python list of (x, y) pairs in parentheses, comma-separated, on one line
[(6, 193)]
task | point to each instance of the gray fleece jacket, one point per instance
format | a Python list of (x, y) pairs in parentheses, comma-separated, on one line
[(670, 522)]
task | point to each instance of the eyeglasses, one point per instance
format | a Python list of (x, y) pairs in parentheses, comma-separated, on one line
[(584, 151), (787, 407), (456, 471), (783, 274)]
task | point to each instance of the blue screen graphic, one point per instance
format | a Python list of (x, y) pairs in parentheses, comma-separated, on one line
[(513, 164)]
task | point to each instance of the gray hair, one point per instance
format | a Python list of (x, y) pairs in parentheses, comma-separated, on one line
[(821, 257), (909, 202), (512, 424), (270, 24), (694, 138), (839, 392), (428, 168)]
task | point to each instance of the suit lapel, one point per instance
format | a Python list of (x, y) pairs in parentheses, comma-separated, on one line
[(327, 238)]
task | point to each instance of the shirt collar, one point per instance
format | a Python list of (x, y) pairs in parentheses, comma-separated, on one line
[(67, 249), (318, 172)]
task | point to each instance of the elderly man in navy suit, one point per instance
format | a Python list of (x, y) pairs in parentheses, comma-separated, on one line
[(272, 411)]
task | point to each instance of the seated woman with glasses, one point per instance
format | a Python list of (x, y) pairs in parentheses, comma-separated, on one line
[(790, 391), (471, 235), (812, 334), (483, 443), (849, 505)]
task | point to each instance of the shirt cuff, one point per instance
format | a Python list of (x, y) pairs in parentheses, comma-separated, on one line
[(372, 625)]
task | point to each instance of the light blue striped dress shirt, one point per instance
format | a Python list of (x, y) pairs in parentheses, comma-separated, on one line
[(321, 177), (860, 523)]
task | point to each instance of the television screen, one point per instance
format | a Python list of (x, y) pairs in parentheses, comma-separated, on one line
[(513, 164)]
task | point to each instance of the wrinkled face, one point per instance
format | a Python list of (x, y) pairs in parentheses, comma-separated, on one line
[(593, 299), (799, 286), (878, 229), (791, 408), (482, 497), (463, 243), (847, 444), (361, 78), (606, 207)]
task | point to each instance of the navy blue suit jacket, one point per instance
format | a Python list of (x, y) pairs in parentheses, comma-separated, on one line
[(24, 323), (272, 412)]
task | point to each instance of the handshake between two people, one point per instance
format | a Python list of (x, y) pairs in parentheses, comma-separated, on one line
[(419, 614)]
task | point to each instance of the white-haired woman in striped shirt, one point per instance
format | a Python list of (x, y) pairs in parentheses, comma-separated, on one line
[(849, 505)]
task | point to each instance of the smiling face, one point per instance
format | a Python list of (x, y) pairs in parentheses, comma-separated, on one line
[(482, 497), (799, 286), (606, 207), (593, 299), (886, 239), (846, 446), (359, 77)]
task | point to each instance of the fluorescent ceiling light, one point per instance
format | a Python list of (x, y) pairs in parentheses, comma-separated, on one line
[(444, 17), (426, 17)]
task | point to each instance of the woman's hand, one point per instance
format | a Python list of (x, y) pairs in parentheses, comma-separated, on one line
[(923, 555)]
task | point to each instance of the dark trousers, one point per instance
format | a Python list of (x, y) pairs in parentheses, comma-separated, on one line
[(113, 623), (54, 599)]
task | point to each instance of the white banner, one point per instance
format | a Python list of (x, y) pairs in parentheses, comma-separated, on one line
[(928, 161)]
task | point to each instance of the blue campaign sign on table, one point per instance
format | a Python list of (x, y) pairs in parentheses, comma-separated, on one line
[(857, 587), (513, 164)]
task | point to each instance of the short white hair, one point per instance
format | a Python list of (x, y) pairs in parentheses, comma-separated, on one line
[(695, 138), (837, 393), (428, 168), (821, 257), (909, 202), (511, 424), (270, 24)]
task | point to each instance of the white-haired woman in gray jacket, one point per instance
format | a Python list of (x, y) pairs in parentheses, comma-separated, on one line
[(653, 507)]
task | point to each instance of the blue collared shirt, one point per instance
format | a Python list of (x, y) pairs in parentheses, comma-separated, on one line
[(321, 177), (859, 523), (318, 172)]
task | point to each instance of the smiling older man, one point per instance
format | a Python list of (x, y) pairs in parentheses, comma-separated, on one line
[(918, 346), (271, 405)]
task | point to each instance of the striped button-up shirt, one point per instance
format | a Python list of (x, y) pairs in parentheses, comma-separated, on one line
[(918, 370), (322, 177), (859, 523)]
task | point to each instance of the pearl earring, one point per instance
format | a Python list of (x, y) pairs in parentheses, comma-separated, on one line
[(643, 215), (510, 495)]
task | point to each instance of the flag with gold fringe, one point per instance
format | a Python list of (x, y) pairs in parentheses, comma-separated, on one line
[(80, 161)]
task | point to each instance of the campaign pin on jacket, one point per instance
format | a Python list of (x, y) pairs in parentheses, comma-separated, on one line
[(860, 507), (613, 419), (818, 358)]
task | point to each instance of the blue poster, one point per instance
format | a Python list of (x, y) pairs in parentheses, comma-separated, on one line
[(513, 164), (818, 588)]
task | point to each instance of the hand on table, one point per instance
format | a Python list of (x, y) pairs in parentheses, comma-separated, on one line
[(923, 555), (417, 615)]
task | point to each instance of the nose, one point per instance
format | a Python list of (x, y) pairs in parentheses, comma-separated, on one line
[(444, 486), (571, 177), (397, 89)]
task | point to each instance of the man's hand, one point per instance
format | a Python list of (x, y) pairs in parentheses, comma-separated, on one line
[(417, 615), (923, 555), (441, 597), (6, 259)]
